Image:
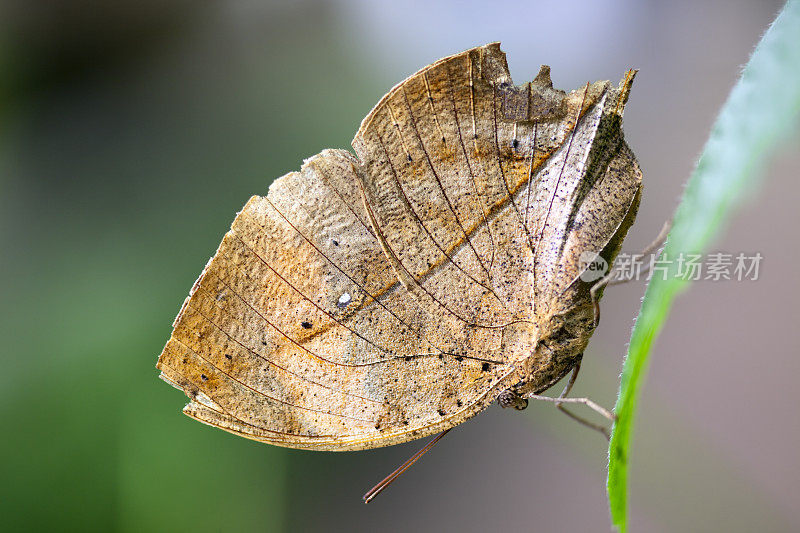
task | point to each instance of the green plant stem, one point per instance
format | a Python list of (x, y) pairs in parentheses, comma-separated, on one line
[(760, 112)]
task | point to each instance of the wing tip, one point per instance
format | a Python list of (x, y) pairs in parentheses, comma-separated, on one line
[(624, 90), (491, 65)]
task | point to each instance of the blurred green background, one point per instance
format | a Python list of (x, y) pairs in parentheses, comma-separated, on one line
[(132, 132)]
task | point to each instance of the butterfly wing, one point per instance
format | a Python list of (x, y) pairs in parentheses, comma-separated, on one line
[(577, 218), (366, 302)]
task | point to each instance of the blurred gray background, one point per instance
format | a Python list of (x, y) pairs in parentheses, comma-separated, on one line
[(132, 132)]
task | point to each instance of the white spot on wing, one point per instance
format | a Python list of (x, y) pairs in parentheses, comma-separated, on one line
[(344, 299)]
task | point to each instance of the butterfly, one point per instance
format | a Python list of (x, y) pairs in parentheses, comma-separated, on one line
[(383, 296)]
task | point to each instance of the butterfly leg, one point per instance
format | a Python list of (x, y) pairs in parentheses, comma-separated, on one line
[(562, 399), (613, 278)]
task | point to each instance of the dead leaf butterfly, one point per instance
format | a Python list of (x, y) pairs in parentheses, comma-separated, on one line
[(376, 298)]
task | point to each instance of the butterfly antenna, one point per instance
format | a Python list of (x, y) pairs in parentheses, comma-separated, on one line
[(385, 482)]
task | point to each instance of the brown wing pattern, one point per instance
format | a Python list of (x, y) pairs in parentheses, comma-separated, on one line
[(373, 300)]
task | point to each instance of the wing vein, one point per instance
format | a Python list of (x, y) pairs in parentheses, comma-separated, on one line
[(561, 172), (261, 393), (471, 173), (407, 203), (502, 172), (309, 300), (270, 361), (353, 281), (339, 195), (448, 202)]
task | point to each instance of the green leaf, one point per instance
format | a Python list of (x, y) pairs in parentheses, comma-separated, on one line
[(760, 112)]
